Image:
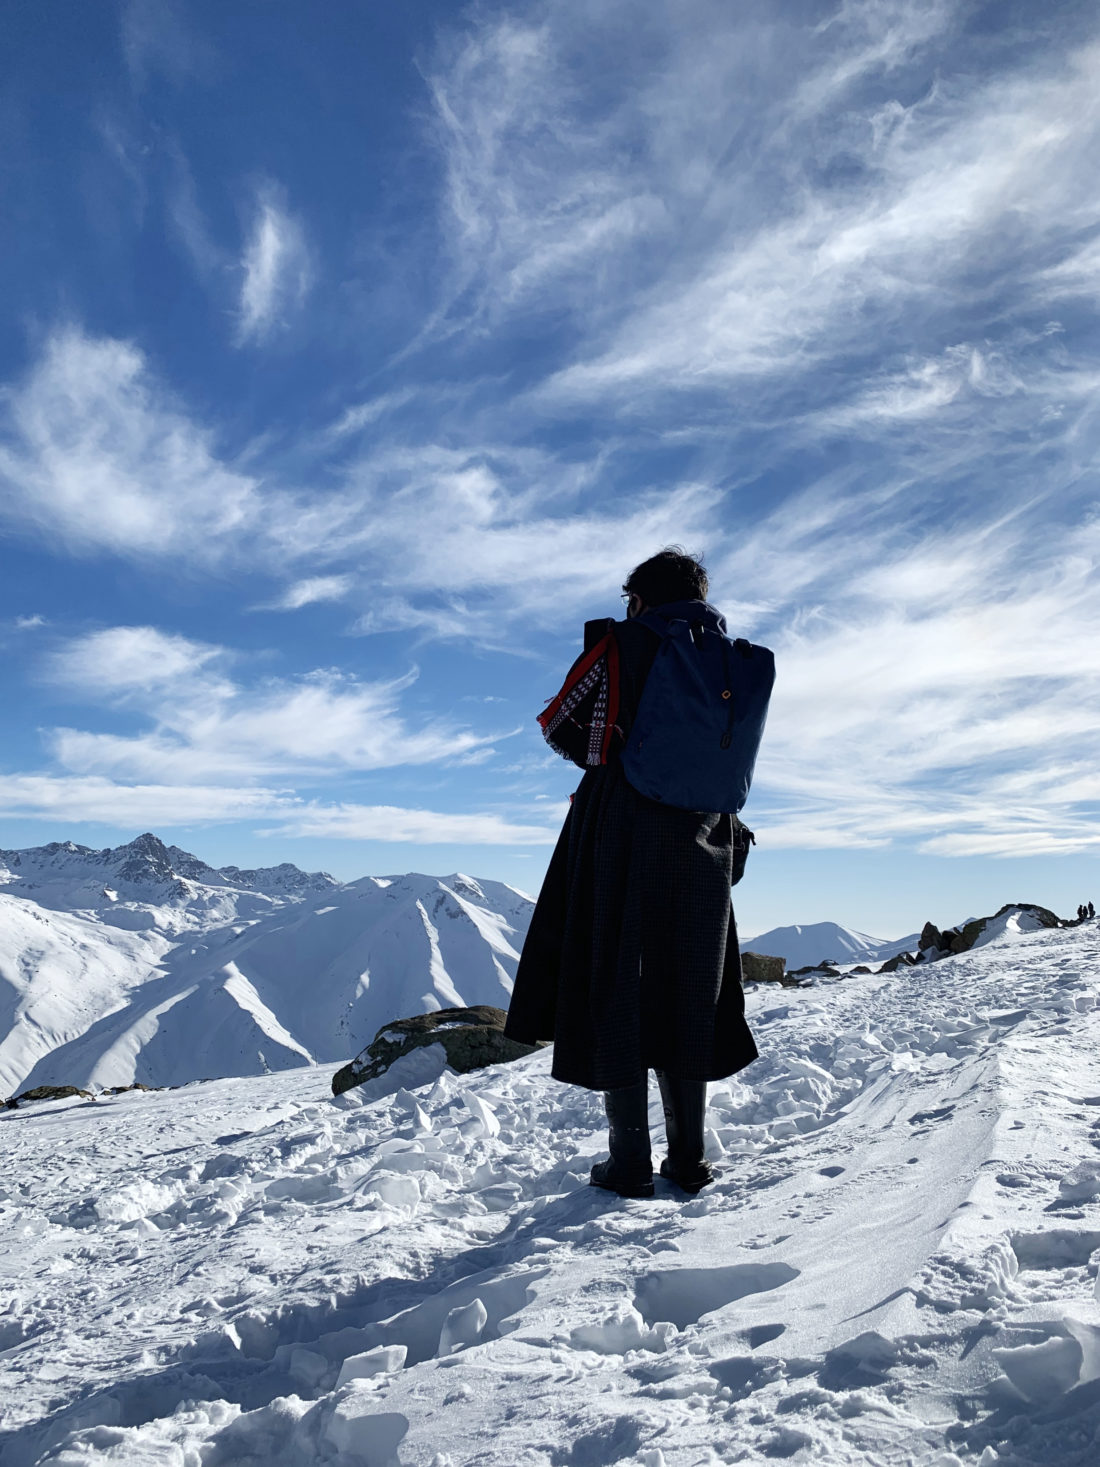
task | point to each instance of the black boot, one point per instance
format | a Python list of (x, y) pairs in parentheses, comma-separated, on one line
[(629, 1169), (685, 1106)]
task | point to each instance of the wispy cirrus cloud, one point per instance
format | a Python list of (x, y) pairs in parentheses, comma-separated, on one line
[(205, 726), (96, 454), (311, 591), (276, 269), (93, 798), (948, 697), (104, 801), (535, 191), (938, 183), (420, 827), (131, 660)]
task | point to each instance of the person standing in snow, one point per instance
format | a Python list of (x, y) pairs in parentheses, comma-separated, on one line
[(631, 961)]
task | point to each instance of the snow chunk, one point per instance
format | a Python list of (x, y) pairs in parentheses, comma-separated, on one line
[(137, 1200), (490, 1126), (395, 1189), (384, 1360), (1044, 1370), (1082, 1184), (463, 1326), (367, 1438), (622, 1329)]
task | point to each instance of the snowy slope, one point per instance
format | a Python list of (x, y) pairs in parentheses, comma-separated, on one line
[(118, 967), (816, 942), (897, 1267)]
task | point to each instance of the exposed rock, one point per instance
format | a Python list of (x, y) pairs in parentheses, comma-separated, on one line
[(899, 960), (860, 968), (952, 940), (47, 1092), (930, 937), (760, 968), (471, 1038)]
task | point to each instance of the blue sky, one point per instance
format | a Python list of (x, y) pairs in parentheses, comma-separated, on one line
[(351, 356)]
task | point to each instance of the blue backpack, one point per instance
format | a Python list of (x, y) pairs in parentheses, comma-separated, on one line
[(701, 715)]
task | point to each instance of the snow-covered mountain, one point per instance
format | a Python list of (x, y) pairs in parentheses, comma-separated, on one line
[(66, 875), (143, 963), (817, 942)]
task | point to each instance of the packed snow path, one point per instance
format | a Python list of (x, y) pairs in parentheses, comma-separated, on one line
[(898, 1264)]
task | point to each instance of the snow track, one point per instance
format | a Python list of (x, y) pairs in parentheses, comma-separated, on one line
[(897, 1265)]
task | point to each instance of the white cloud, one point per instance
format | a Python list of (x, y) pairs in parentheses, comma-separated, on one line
[(533, 190), (474, 542), (127, 659), (310, 591), (948, 694), (420, 827), (30, 623), (712, 217), (96, 455), (206, 727), (363, 414), (104, 801), (276, 269)]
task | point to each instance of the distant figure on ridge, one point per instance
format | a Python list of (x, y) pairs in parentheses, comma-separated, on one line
[(1091, 910), (631, 961)]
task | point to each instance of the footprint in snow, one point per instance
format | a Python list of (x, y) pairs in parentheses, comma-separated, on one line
[(1055, 1249), (684, 1295), (922, 1117), (743, 1374)]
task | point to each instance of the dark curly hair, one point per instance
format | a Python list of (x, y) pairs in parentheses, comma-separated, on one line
[(670, 575)]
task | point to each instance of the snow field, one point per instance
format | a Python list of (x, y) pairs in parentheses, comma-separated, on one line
[(897, 1265)]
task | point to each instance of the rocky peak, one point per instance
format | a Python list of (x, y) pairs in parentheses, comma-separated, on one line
[(285, 877), (147, 862), (145, 859)]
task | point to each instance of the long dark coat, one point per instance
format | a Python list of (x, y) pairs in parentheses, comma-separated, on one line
[(631, 961)]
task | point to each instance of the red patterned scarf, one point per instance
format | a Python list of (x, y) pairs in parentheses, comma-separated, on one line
[(580, 723)]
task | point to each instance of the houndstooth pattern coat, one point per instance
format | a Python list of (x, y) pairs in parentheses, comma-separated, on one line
[(631, 961)]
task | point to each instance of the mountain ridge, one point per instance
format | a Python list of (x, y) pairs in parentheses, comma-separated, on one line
[(124, 965), (146, 860), (804, 944)]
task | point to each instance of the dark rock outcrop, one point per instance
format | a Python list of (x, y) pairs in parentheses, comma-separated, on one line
[(760, 968), (899, 960), (952, 940), (471, 1038), (828, 968), (47, 1092), (930, 937)]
